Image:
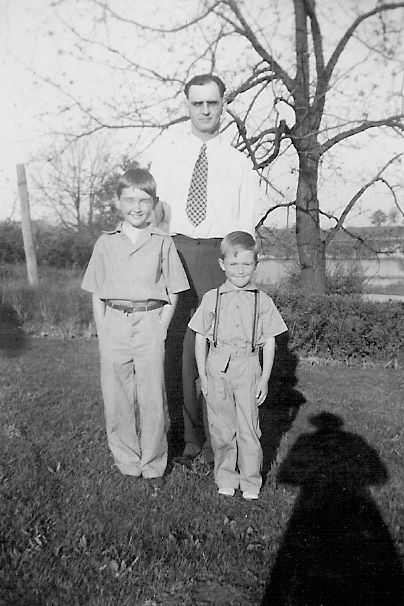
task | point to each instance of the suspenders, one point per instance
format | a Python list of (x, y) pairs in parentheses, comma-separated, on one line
[(255, 320), (216, 322)]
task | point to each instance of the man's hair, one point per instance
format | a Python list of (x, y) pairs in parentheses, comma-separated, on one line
[(140, 178), (237, 241), (202, 79)]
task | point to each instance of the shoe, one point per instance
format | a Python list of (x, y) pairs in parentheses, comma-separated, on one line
[(228, 492), (133, 479), (185, 460), (155, 482), (250, 496)]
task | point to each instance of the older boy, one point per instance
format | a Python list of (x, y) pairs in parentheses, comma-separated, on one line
[(134, 276), (238, 321)]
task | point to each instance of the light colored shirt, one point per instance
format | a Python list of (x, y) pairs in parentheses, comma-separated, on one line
[(234, 199), (133, 233), (149, 269), (236, 315)]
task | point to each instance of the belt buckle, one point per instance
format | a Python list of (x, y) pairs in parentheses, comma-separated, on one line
[(150, 305)]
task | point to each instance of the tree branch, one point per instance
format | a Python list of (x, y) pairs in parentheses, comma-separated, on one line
[(243, 133), (160, 30), (396, 122), (393, 193), (316, 36), (281, 131), (247, 32), (270, 210), (349, 32), (355, 198), (351, 234)]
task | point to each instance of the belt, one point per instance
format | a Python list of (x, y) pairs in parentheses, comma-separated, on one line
[(203, 242), (239, 352), (136, 306)]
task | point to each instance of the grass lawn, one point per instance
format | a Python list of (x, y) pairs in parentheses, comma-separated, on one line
[(74, 531)]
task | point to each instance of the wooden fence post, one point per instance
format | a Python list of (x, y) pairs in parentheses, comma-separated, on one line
[(26, 226)]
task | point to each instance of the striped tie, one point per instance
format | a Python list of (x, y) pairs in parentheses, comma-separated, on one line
[(197, 195)]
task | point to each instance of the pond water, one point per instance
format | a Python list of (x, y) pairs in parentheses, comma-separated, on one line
[(384, 271)]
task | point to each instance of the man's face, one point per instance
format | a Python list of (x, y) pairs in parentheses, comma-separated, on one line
[(205, 107)]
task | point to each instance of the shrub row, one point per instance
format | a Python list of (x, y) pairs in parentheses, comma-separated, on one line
[(342, 327), (333, 326), (57, 306), (54, 246)]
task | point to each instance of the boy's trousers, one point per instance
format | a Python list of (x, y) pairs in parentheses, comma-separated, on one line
[(132, 382), (233, 417)]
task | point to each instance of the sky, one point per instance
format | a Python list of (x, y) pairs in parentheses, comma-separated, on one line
[(28, 106)]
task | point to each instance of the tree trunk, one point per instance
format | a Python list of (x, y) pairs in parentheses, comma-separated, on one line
[(310, 246)]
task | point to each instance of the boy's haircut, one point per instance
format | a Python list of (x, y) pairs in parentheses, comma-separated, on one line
[(236, 241), (202, 79), (140, 178)]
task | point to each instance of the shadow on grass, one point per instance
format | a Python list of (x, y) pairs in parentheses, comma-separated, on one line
[(12, 336), (337, 548), (282, 404)]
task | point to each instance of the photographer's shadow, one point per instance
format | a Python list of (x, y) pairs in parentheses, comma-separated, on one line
[(282, 404), (337, 549)]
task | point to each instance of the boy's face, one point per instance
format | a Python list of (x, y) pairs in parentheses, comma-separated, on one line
[(136, 207), (239, 268)]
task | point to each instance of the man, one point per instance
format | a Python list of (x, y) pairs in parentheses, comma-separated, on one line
[(208, 189)]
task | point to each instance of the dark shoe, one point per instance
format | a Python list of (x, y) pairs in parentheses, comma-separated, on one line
[(155, 484), (159, 482), (132, 479), (185, 460)]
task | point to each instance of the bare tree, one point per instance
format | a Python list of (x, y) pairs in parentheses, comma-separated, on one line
[(308, 78), (70, 182)]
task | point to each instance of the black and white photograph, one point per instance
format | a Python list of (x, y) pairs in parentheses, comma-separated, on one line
[(202, 303)]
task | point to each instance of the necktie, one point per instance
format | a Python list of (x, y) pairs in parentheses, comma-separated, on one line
[(197, 195)]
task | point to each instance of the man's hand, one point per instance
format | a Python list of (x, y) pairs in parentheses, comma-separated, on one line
[(204, 385), (262, 390)]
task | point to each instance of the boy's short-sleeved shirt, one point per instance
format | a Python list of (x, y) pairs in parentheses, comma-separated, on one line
[(148, 269), (236, 316)]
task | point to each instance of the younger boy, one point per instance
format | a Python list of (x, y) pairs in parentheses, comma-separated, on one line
[(238, 321), (134, 276)]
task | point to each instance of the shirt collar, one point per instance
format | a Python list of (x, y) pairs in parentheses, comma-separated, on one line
[(209, 143), (229, 287), (110, 232), (152, 229)]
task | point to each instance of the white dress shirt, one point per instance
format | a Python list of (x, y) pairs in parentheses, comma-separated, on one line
[(235, 201)]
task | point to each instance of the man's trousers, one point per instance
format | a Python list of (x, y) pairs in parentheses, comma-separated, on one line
[(200, 260)]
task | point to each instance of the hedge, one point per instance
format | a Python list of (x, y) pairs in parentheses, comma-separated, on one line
[(339, 327), (344, 328)]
